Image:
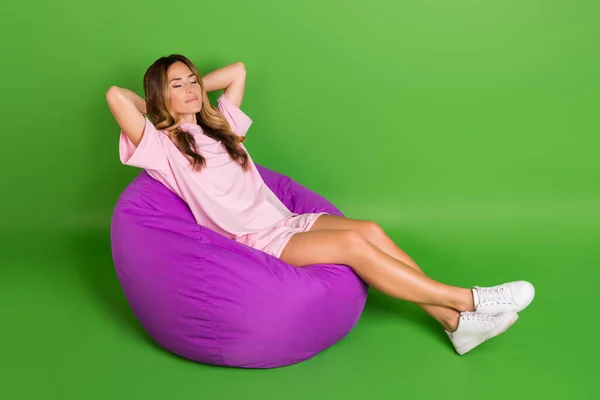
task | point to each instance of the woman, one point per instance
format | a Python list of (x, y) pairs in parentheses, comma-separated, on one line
[(196, 150)]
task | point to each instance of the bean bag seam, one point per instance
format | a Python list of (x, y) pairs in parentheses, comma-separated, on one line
[(204, 291)]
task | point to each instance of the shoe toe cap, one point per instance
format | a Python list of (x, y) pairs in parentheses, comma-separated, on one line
[(523, 293)]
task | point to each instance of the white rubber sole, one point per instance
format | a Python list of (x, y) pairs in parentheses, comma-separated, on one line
[(506, 323)]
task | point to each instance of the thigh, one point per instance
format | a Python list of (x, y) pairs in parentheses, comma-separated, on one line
[(366, 228), (322, 247)]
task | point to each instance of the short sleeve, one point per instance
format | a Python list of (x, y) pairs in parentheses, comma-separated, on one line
[(149, 154), (239, 121)]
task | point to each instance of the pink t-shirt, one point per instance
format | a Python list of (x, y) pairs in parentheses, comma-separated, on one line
[(221, 195)]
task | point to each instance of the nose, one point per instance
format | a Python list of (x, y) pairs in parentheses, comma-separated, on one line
[(189, 87)]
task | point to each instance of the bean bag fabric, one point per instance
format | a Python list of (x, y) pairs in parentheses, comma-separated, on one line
[(215, 301)]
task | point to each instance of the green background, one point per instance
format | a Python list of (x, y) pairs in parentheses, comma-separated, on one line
[(467, 129)]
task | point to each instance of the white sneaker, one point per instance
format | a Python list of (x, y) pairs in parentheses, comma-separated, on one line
[(474, 329), (512, 296)]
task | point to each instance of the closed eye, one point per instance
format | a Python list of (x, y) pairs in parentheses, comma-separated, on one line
[(194, 82)]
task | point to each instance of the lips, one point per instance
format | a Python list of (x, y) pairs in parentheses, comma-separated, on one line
[(190, 100)]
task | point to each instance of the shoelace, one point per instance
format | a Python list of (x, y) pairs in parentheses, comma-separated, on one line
[(494, 295), (473, 316)]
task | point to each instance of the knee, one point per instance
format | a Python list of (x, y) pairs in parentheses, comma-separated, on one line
[(354, 242), (352, 238), (372, 230)]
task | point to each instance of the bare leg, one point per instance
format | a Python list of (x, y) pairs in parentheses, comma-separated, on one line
[(447, 317), (380, 270)]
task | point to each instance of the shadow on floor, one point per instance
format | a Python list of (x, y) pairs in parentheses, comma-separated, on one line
[(384, 307), (97, 273), (95, 267)]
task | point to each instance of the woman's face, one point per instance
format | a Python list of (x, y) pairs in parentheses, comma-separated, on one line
[(184, 91)]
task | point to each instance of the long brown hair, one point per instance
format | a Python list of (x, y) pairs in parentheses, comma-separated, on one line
[(210, 119)]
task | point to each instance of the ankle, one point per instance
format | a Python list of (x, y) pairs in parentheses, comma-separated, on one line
[(450, 321), (464, 301)]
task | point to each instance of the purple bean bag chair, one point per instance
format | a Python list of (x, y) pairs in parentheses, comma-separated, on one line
[(215, 301)]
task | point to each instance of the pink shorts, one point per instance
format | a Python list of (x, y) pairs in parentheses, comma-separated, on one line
[(274, 239)]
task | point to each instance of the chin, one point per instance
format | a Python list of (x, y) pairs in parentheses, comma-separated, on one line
[(195, 109)]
